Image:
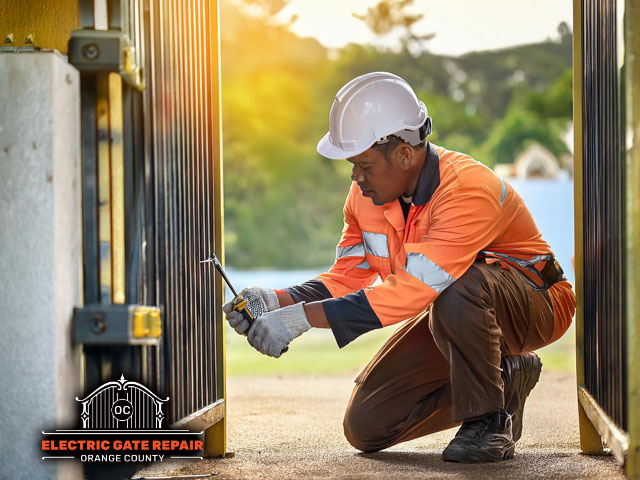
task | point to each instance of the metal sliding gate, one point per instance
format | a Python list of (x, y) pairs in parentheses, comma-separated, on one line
[(606, 120), (152, 203)]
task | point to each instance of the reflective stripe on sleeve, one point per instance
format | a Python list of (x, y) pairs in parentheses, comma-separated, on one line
[(504, 191), (356, 250), (375, 244), (428, 272), (364, 265)]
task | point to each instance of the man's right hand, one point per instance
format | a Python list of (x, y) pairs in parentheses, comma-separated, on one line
[(259, 301)]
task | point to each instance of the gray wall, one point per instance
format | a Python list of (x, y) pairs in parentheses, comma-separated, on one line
[(40, 258)]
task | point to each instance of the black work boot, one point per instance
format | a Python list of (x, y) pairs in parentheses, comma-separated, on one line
[(520, 373), (488, 439)]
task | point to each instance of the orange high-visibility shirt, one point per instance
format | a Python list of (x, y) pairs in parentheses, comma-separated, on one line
[(460, 208)]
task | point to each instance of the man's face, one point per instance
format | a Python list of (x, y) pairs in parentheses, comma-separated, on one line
[(382, 180)]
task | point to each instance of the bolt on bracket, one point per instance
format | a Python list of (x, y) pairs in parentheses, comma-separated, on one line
[(104, 51)]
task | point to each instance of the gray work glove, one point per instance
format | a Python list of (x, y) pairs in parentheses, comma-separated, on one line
[(271, 333), (259, 301)]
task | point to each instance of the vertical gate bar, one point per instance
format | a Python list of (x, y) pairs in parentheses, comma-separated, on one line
[(200, 295), (193, 217), (203, 285), (205, 297), (191, 213), (205, 293), (212, 215), (171, 161), (141, 47), (217, 189), (179, 179), (184, 106), (214, 210), (178, 189), (182, 165), (174, 158), (114, 14), (208, 297), (132, 13), (91, 252), (134, 16), (617, 349), (632, 94), (159, 193), (152, 153), (132, 195), (184, 39), (167, 135), (176, 112), (186, 116), (85, 14), (194, 214), (620, 354)]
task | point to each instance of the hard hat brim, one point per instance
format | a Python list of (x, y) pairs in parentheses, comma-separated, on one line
[(329, 150)]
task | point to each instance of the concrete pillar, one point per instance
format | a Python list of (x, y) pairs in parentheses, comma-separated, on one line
[(40, 259)]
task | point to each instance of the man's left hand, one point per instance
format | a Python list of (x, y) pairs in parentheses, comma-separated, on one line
[(271, 333)]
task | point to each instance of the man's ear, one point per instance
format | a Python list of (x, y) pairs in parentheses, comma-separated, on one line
[(404, 154)]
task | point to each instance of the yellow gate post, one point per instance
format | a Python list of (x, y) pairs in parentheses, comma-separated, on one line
[(632, 81)]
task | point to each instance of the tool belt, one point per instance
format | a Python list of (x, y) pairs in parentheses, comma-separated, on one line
[(549, 271)]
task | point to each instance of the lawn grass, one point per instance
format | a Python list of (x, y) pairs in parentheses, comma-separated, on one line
[(316, 353)]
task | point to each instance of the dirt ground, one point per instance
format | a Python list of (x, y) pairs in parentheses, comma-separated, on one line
[(291, 427)]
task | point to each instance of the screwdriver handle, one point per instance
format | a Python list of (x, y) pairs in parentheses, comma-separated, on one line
[(240, 305)]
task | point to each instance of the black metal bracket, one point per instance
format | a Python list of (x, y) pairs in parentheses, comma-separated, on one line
[(97, 50), (117, 324), (104, 51)]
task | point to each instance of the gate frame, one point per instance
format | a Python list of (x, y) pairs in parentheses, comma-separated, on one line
[(595, 425)]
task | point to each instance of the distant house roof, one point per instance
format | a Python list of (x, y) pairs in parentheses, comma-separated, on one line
[(536, 162)]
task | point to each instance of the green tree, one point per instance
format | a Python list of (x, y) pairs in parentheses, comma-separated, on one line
[(389, 15), (516, 130)]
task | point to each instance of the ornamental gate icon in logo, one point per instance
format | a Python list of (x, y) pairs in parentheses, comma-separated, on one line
[(122, 404)]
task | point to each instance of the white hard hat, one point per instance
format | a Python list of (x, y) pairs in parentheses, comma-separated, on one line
[(368, 109)]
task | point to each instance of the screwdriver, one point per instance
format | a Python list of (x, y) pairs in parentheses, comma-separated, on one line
[(239, 302)]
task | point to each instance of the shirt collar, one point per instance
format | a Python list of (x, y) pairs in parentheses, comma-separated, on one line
[(429, 178)]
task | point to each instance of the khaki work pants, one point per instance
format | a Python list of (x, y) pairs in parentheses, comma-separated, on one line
[(437, 371)]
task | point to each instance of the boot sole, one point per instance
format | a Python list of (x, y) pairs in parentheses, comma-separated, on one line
[(477, 456)]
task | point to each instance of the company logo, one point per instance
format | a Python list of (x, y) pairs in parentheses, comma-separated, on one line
[(122, 422), (131, 404)]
